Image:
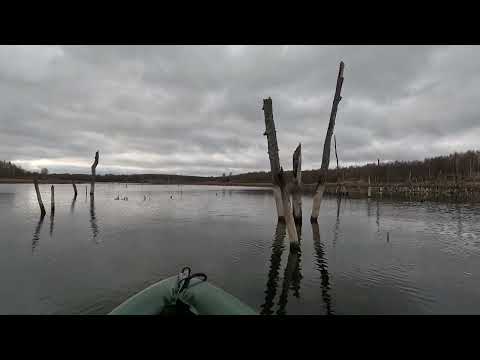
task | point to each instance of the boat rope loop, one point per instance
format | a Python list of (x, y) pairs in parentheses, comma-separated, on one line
[(184, 279)]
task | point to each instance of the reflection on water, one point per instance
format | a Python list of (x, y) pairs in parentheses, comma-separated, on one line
[(93, 219), (337, 223), (291, 280), (406, 258), (72, 206), (378, 216), (322, 267), (292, 275), (36, 234), (275, 261), (51, 223)]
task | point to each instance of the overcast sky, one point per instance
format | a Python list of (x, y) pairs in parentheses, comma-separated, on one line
[(198, 109)]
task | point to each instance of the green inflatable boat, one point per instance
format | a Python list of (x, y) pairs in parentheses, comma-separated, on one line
[(183, 295)]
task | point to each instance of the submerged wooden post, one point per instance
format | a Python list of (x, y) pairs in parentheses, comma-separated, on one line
[(52, 203), (74, 189), (94, 167), (297, 185), (39, 197), (282, 198), (317, 197)]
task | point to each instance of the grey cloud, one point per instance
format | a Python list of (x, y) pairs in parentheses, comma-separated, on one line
[(198, 109)]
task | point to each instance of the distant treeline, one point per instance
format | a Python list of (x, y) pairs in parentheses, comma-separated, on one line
[(136, 178), (441, 168), (9, 170), (458, 166)]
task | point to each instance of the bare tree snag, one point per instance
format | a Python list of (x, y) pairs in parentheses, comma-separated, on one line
[(297, 185), (282, 198), (52, 202), (74, 189), (94, 167), (273, 155), (39, 197), (338, 168), (317, 197)]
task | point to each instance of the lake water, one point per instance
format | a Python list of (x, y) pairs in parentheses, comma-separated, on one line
[(90, 257)]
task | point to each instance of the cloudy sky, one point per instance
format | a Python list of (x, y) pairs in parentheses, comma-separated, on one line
[(198, 109)]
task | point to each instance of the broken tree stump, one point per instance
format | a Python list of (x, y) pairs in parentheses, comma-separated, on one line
[(94, 167), (39, 197), (282, 198), (297, 185), (317, 197)]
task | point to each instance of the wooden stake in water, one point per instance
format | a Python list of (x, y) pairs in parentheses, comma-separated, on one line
[(297, 185), (39, 197), (94, 167), (52, 189), (74, 189)]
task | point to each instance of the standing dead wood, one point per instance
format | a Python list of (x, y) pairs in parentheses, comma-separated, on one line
[(39, 197), (317, 198), (52, 200), (338, 168), (297, 185), (94, 167), (273, 156), (282, 198), (74, 189)]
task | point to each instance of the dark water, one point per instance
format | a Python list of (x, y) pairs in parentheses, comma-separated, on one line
[(91, 256)]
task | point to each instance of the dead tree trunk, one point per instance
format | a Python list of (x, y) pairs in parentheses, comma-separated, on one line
[(297, 185), (317, 198), (281, 195), (94, 167), (74, 189), (273, 156), (52, 201), (338, 168), (39, 197)]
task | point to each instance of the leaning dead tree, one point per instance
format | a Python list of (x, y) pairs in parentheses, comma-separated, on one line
[(94, 167), (39, 197), (282, 198), (317, 197), (297, 185), (338, 168)]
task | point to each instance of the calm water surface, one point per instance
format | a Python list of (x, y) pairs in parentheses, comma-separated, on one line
[(91, 256)]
